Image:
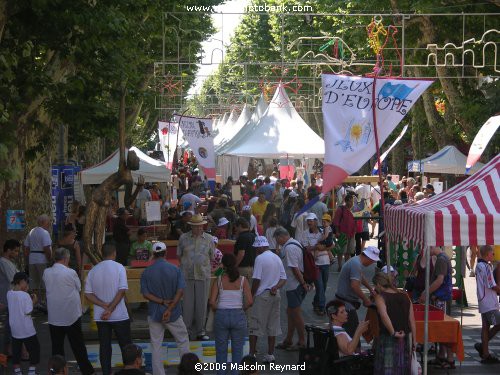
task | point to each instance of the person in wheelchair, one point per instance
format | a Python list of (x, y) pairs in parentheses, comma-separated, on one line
[(338, 316)]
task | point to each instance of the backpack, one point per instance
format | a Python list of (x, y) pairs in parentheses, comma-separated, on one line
[(444, 292), (311, 270)]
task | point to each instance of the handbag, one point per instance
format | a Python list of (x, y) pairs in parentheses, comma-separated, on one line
[(416, 369), (209, 324)]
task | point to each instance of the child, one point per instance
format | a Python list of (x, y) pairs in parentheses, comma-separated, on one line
[(272, 224), (141, 249), (222, 229), (23, 331), (326, 239)]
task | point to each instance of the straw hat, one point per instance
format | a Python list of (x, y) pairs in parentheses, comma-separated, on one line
[(197, 220)]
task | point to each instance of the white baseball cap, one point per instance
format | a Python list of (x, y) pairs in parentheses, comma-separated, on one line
[(222, 221), (260, 241), (373, 253), (158, 247), (391, 269), (311, 216), (293, 194)]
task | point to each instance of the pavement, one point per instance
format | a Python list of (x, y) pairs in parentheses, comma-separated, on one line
[(471, 329)]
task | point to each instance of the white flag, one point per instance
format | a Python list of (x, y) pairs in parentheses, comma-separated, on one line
[(167, 133), (348, 104), (198, 133), (481, 141), (384, 155)]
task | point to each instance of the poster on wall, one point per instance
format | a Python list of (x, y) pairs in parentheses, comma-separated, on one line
[(15, 220)]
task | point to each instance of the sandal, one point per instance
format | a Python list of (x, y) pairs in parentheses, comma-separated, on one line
[(283, 346), (490, 360)]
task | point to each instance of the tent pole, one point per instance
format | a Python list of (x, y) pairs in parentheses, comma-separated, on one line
[(426, 315)]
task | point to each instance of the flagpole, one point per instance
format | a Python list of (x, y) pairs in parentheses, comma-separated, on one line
[(377, 147)]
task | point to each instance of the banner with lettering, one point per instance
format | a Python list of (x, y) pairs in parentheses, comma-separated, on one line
[(348, 104), (198, 133), (384, 155), (481, 140), (167, 133)]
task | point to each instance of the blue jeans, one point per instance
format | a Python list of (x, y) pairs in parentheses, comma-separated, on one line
[(229, 324), (320, 285)]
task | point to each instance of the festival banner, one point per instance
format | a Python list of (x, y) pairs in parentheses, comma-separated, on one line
[(481, 141), (384, 155), (167, 133), (347, 106), (198, 133)]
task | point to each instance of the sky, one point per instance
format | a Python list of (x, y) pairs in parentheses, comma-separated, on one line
[(225, 25)]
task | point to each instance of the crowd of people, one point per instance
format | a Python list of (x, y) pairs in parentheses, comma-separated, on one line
[(281, 251)]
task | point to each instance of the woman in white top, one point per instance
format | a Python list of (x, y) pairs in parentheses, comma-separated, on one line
[(338, 317), (230, 297)]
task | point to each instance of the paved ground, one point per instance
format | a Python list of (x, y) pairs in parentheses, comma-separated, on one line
[(470, 317)]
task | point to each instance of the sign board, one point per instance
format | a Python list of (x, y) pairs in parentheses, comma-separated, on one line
[(236, 193), (438, 187), (15, 220), (62, 193), (153, 210)]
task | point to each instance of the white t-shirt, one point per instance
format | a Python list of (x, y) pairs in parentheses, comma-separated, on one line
[(363, 191), (253, 223), (7, 272), (63, 295), (487, 297), (37, 239), (104, 281), (338, 331), (293, 258), (143, 196), (269, 269), (300, 224), (312, 239), (20, 306)]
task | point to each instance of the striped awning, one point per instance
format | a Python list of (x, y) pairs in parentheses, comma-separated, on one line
[(467, 214)]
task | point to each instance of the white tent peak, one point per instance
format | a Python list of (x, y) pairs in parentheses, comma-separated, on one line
[(280, 133), (151, 169), (230, 131)]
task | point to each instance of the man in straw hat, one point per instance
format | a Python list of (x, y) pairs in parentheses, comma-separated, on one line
[(195, 252)]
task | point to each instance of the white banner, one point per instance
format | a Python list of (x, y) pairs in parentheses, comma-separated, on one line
[(384, 155), (481, 141), (198, 133), (167, 133), (348, 104)]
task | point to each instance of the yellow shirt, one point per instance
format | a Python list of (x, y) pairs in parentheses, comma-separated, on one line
[(258, 210)]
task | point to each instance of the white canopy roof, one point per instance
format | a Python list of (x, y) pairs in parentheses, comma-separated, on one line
[(231, 130), (280, 133), (151, 169), (247, 128), (224, 128), (448, 160)]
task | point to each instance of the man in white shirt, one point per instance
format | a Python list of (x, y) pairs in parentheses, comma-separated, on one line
[(38, 245), (65, 309), (143, 196), (487, 297), (296, 288), (105, 287), (264, 317), (191, 198)]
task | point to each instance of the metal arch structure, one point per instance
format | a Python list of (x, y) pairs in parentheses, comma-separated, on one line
[(474, 55)]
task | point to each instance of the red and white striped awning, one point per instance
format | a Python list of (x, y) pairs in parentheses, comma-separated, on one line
[(467, 214)]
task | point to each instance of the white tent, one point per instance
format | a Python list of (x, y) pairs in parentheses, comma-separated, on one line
[(448, 160), (229, 165), (231, 131), (225, 128), (280, 133), (151, 169)]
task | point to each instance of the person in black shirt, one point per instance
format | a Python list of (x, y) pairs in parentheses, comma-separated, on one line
[(132, 360), (121, 236), (182, 226), (243, 248), (172, 218)]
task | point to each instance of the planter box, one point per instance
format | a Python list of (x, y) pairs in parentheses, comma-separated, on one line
[(434, 312)]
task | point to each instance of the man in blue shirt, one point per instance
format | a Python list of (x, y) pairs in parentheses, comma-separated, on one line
[(162, 284), (267, 189)]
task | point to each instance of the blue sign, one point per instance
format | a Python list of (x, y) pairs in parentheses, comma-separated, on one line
[(15, 220), (63, 193)]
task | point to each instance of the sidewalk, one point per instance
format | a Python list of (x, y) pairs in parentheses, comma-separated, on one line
[(470, 318)]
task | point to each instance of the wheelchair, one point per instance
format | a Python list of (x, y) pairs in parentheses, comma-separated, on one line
[(322, 357)]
